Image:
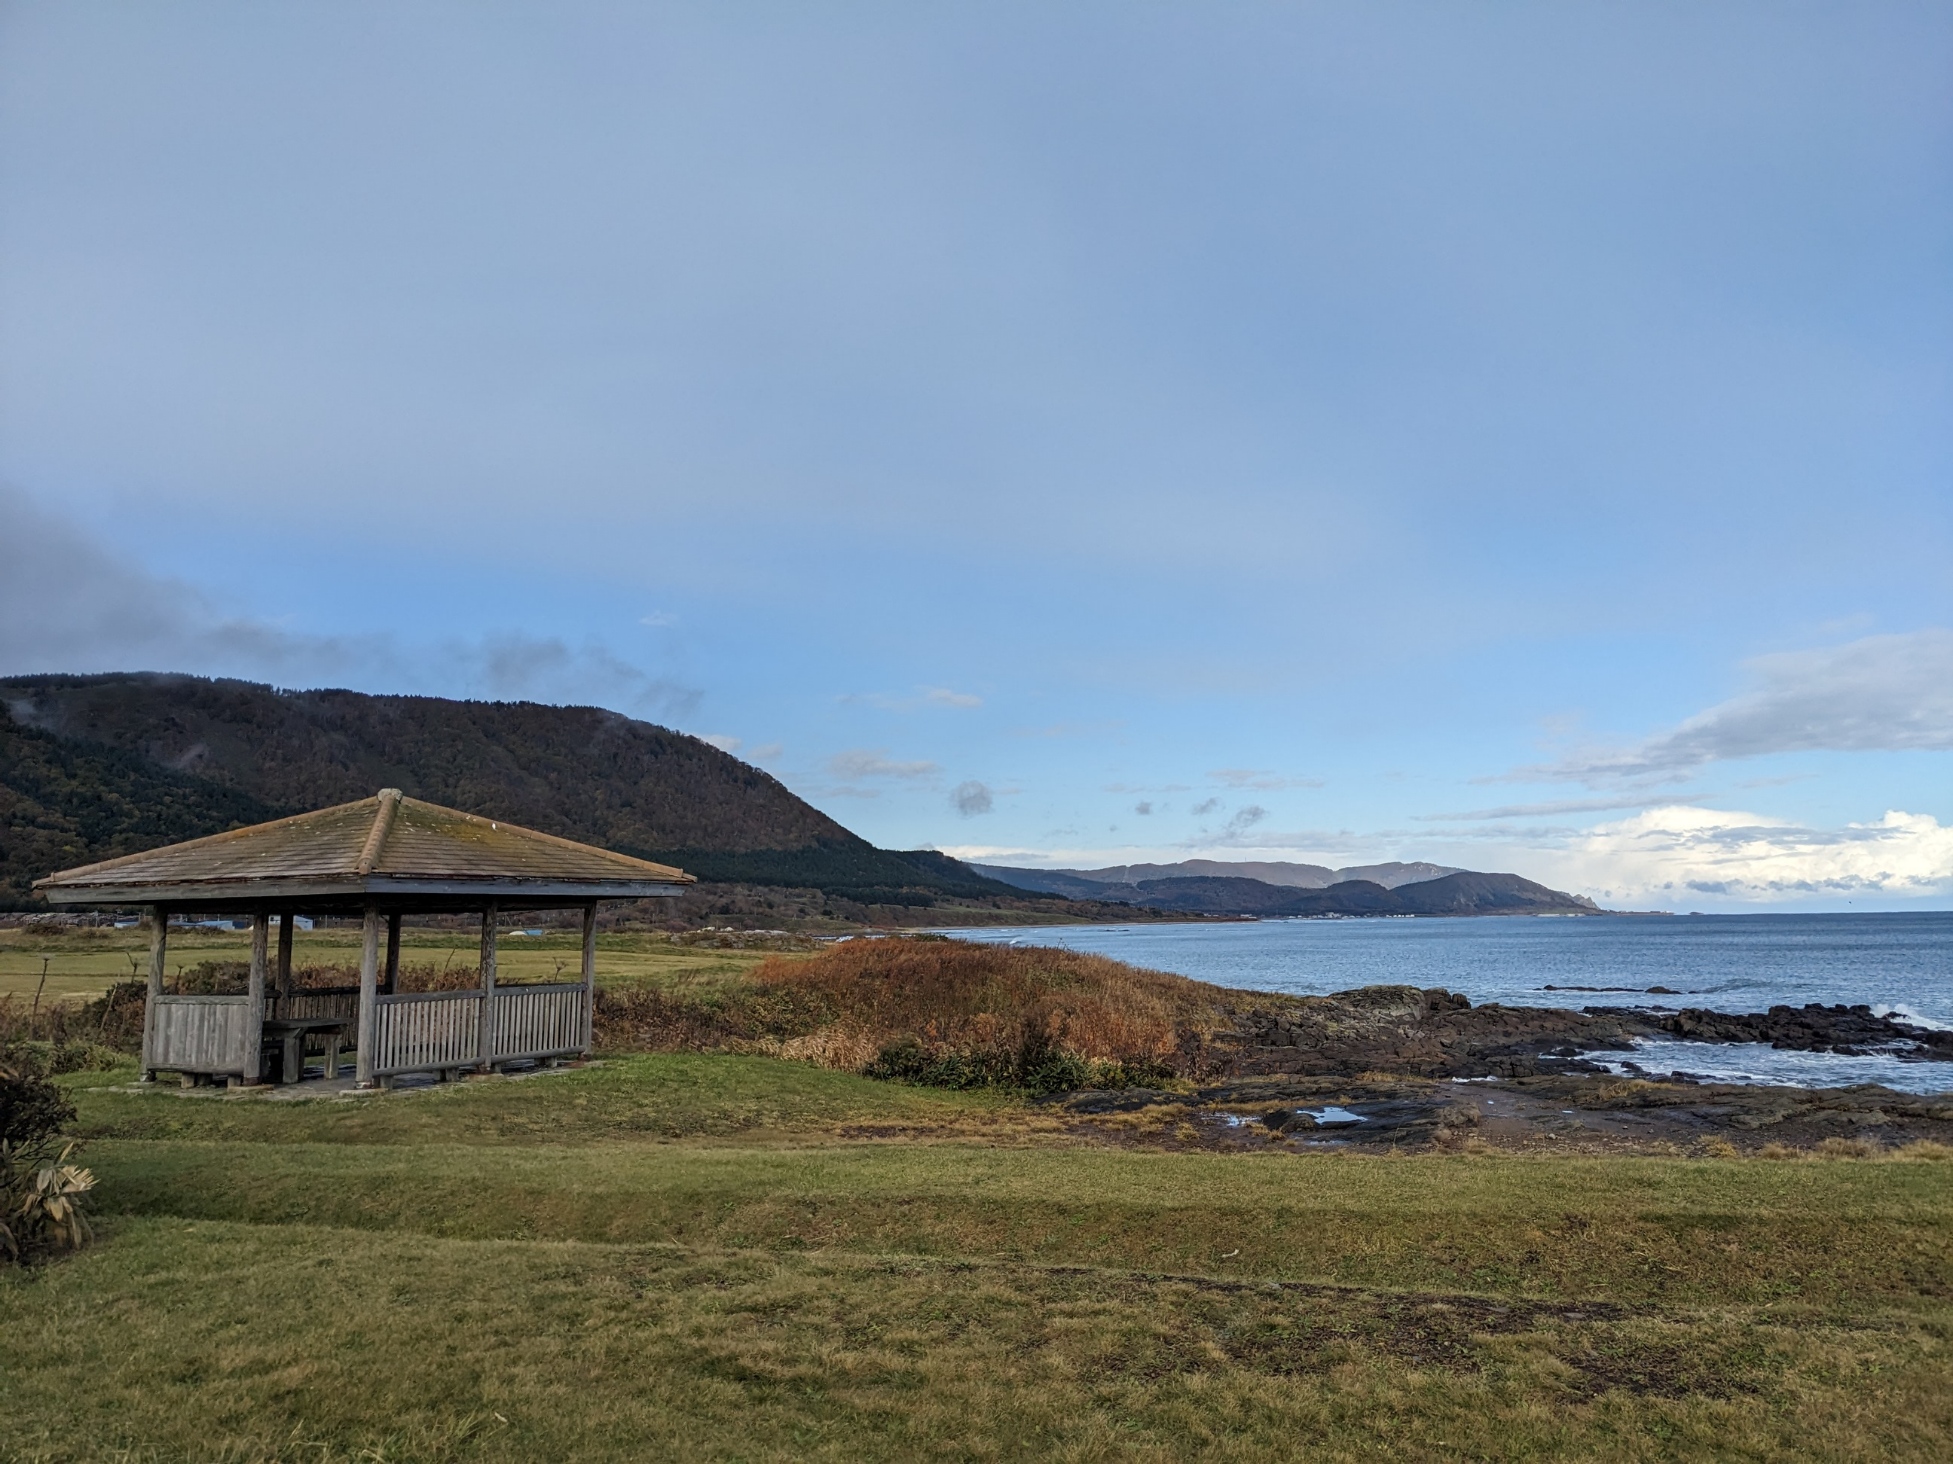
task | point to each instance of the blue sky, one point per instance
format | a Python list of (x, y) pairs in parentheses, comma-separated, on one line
[(1515, 436)]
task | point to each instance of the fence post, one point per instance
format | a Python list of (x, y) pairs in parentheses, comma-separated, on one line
[(159, 939), (285, 922), (393, 953), (589, 977), (369, 1001), (489, 914), (254, 1022)]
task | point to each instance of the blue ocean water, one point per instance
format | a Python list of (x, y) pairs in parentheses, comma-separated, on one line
[(1899, 963)]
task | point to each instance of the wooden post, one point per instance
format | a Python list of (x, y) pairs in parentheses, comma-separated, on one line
[(589, 976), (254, 1023), (285, 922), (369, 1002), (489, 914), (159, 939), (393, 953)]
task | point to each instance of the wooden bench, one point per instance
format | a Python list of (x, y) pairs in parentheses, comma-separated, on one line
[(284, 1040)]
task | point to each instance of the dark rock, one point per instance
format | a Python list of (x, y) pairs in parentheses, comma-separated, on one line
[(1812, 1028)]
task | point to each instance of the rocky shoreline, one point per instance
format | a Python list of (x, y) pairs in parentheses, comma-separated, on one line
[(1440, 1034), (1394, 1066), (1571, 1113), (1849, 1030)]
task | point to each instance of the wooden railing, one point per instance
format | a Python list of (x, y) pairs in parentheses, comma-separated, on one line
[(426, 1031), (537, 1021), (436, 1031), (199, 1034), (328, 1001)]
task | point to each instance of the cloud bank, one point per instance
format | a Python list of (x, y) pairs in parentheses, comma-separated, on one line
[(874, 762), (69, 605), (1885, 693), (1676, 854)]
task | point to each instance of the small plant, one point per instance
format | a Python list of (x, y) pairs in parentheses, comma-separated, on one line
[(41, 1193), (49, 1214)]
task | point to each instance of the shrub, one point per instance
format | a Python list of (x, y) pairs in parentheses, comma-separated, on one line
[(32, 1110), (41, 1193), (955, 1013), (942, 1013), (69, 1035)]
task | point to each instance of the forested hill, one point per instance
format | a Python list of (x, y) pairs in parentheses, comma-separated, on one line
[(94, 766)]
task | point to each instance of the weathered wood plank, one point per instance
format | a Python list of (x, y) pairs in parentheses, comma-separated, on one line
[(159, 939), (254, 1024), (202, 1034), (285, 922), (393, 952), (369, 977), (538, 1021), (490, 916), (589, 976), (426, 1031), (301, 1004)]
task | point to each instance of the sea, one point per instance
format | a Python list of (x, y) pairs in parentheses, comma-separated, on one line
[(1899, 964)]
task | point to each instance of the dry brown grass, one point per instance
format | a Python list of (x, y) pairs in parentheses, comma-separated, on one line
[(980, 997), (990, 1008)]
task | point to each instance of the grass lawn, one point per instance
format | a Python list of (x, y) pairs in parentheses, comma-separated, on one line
[(735, 1258)]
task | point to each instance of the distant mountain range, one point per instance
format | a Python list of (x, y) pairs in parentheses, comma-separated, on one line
[(1289, 876), (1215, 887)]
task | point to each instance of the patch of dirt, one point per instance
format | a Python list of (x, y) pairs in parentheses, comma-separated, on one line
[(1604, 1360)]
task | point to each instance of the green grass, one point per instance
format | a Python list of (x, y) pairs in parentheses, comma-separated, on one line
[(84, 963), (704, 1257), (630, 1098)]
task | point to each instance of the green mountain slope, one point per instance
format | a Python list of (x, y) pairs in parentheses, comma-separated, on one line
[(63, 804), (99, 765)]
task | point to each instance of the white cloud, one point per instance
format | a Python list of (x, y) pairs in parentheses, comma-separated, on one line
[(1260, 778), (865, 762), (724, 741), (1547, 810), (1008, 854), (1669, 855), (1879, 694), (924, 696)]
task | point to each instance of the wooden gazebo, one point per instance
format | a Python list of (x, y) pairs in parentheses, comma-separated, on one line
[(377, 859)]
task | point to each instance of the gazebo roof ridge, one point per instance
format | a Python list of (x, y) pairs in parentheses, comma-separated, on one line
[(386, 845)]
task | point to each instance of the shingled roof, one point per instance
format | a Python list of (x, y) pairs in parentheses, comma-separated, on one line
[(387, 845)]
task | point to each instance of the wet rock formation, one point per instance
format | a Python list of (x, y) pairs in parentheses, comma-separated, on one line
[(1813, 1028)]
